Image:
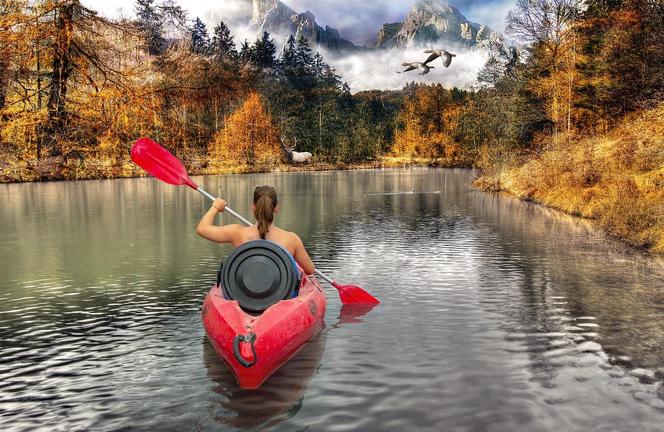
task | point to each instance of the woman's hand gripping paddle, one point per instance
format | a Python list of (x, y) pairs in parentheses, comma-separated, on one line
[(161, 164)]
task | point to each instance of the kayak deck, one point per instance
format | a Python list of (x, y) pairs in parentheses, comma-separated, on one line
[(255, 346)]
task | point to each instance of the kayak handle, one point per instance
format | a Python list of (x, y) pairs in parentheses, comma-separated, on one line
[(250, 338)]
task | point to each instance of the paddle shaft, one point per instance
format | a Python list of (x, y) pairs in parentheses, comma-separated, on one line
[(247, 223)]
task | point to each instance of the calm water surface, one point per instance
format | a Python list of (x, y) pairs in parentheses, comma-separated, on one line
[(496, 314)]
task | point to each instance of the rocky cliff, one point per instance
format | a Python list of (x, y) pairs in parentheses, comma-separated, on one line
[(431, 21), (428, 22), (276, 18)]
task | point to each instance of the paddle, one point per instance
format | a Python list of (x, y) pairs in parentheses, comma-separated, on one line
[(159, 162)]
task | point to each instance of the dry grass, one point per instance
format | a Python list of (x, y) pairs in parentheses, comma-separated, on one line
[(616, 179)]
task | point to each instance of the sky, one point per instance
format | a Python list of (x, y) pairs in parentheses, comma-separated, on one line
[(357, 20)]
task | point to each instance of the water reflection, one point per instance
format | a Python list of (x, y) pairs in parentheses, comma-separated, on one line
[(276, 401), (281, 397), (494, 314), (353, 313)]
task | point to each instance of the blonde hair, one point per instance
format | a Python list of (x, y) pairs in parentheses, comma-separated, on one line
[(265, 201)]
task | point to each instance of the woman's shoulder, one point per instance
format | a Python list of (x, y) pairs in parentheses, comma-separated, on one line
[(286, 233), (293, 238), (286, 237)]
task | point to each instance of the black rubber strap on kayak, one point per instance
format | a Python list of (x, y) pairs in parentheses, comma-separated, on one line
[(221, 268), (250, 338)]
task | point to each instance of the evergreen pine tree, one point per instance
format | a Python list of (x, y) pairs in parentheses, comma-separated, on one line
[(223, 46), (263, 52), (288, 56), (245, 51), (149, 22), (304, 57), (200, 41), (319, 65)]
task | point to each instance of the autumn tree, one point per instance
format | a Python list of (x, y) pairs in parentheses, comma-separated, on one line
[(65, 63), (548, 26), (423, 131), (11, 18), (623, 66), (249, 135), (75, 55)]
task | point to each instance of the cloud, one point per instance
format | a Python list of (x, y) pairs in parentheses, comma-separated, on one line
[(377, 69)]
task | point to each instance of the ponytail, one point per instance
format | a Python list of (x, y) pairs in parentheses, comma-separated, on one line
[(265, 201)]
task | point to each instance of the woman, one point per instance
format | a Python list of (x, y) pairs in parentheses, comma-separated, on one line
[(265, 206)]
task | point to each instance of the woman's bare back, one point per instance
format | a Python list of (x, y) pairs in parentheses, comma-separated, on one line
[(238, 234), (283, 238)]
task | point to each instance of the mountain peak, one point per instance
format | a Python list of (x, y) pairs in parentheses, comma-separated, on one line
[(434, 6), (280, 20), (430, 21)]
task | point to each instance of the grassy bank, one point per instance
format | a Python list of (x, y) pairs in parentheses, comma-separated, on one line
[(616, 179)]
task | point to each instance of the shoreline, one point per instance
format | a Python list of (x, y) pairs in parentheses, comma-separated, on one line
[(595, 224), (628, 241), (129, 170)]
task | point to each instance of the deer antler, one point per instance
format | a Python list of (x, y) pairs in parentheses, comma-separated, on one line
[(286, 146)]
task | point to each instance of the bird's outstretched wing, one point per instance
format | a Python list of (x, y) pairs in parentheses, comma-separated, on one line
[(432, 57), (448, 59)]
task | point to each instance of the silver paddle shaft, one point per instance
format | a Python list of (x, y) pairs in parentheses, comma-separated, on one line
[(226, 209), (247, 223)]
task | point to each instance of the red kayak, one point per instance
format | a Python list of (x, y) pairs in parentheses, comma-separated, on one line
[(255, 346)]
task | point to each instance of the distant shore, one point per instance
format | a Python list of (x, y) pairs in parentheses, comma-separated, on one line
[(57, 170)]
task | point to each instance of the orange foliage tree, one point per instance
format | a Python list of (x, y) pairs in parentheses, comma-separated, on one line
[(249, 135), (429, 121)]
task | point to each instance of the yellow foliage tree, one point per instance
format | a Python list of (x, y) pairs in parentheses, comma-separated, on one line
[(249, 136), (424, 133)]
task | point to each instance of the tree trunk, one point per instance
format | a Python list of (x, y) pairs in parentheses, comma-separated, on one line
[(4, 79), (5, 56), (569, 103), (62, 67)]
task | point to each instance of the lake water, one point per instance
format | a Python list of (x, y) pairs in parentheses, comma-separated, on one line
[(496, 315)]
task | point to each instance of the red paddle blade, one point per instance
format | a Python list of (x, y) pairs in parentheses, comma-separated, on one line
[(160, 163), (352, 294)]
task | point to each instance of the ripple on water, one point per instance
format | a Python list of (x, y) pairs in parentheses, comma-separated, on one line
[(494, 314)]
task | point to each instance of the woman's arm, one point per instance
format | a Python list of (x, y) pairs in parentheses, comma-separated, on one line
[(302, 257), (208, 230)]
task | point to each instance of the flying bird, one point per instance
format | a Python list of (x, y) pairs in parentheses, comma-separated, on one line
[(416, 65), (446, 56)]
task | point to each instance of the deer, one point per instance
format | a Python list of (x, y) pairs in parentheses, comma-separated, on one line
[(293, 156)]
